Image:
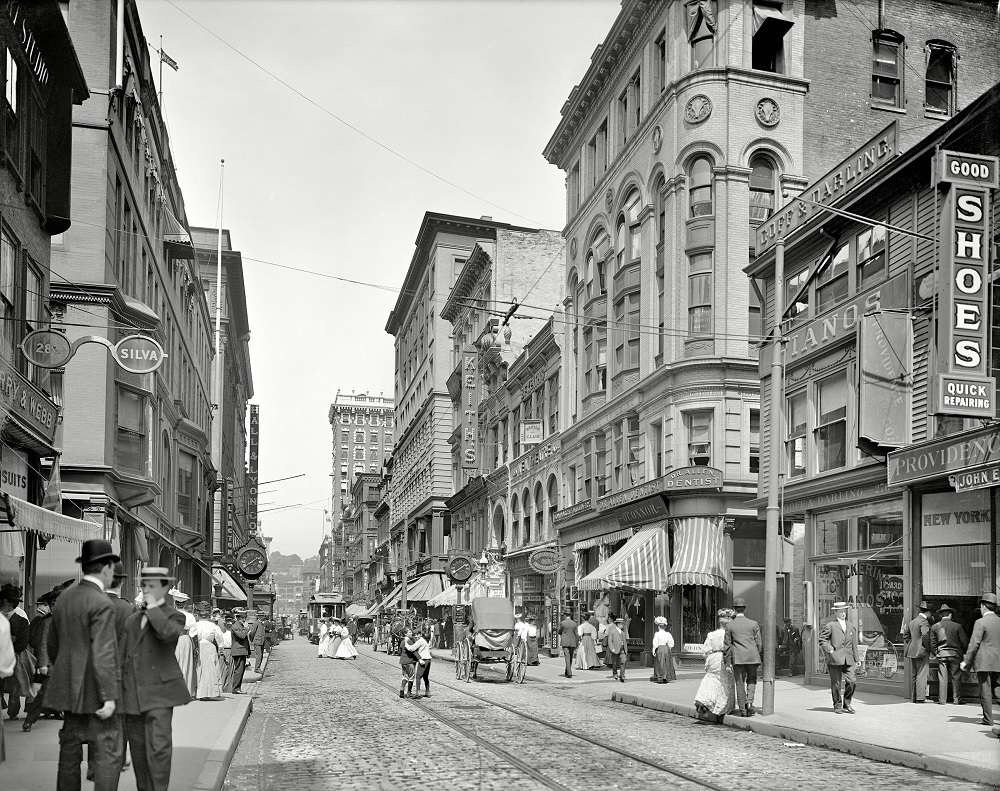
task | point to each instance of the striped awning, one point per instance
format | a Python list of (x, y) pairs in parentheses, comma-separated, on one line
[(643, 563), (699, 552), (607, 538), (40, 520)]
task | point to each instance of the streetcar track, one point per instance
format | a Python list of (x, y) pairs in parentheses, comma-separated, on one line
[(513, 760)]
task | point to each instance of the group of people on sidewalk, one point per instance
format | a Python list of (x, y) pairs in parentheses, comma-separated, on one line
[(336, 639), (585, 644)]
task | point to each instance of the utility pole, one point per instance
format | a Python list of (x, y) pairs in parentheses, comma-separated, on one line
[(776, 432)]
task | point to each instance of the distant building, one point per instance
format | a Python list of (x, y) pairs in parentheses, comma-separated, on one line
[(362, 427)]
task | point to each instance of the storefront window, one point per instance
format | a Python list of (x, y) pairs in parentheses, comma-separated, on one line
[(867, 573), (954, 540), (700, 604)]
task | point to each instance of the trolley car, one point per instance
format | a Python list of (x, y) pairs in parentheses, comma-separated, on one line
[(320, 606), (490, 640)]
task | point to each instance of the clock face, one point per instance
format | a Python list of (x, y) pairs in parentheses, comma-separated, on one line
[(460, 568), (251, 561)]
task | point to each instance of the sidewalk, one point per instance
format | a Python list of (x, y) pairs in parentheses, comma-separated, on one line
[(947, 740), (206, 734)]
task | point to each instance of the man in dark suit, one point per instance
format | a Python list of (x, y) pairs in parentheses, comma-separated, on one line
[(916, 636), (240, 650), (258, 633), (38, 641), (85, 681), (948, 644), (152, 682), (569, 640), (838, 639), (984, 653), (10, 598), (742, 646)]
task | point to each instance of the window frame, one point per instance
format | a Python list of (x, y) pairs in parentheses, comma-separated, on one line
[(700, 185), (939, 46), (693, 453), (888, 39), (142, 431), (701, 313)]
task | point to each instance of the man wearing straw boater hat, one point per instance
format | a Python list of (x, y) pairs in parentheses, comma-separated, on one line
[(152, 682), (983, 653), (839, 641), (85, 681)]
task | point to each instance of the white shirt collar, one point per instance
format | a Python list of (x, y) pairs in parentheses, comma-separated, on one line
[(96, 580)]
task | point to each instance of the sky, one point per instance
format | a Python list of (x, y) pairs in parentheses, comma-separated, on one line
[(341, 123)]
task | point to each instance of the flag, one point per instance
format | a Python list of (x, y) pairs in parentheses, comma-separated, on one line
[(165, 58), (53, 491)]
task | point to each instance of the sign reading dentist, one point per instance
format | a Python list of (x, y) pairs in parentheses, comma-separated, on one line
[(962, 385)]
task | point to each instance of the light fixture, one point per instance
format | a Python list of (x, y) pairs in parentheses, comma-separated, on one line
[(483, 561)]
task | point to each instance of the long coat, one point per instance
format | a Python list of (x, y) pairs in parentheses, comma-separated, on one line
[(743, 641), (123, 609), (839, 646), (916, 636), (151, 678), (983, 654), (38, 638), (83, 647), (616, 639), (241, 643), (567, 633)]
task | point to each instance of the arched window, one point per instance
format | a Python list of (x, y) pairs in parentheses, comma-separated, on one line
[(700, 187), (526, 518), (515, 520), (539, 511), (553, 503), (589, 274), (762, 188)]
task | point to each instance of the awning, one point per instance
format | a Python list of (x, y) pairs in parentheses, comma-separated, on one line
[(140, 544), (607, 538), (643, 563), (770, 22), (473, 589), (356, 611), (699, 552), (40, 520), (231, 588), (422, 589)]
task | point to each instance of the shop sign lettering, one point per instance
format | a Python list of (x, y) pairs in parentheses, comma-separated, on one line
[(31, 48), (975, 479), (470, 408), (848, 174), (943, 457)]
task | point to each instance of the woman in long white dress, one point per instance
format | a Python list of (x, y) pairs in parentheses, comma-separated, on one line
[(324, 640), (209, 637), (345, 648), (716, 695), (336, 636), (586, 653)]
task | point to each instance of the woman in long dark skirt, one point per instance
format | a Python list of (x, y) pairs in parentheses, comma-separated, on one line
[(663, 660)]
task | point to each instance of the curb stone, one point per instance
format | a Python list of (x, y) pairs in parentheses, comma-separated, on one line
[(213, 773)]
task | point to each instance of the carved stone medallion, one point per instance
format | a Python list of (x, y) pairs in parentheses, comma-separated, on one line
[(657, 139), (768, 113), (697, 109), (572, 248)]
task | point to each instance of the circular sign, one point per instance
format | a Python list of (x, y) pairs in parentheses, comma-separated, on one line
[(545, 561), (139, 354), (46, 348)]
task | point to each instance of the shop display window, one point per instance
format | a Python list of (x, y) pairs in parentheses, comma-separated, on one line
[(954, 541), (866, 571), (700, 603)]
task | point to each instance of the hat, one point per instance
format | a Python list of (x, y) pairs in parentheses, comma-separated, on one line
[(10, 593), (989, 598), (97, 549), (788, 620), (239, 611), (659, 620), (156, 573), (924, 606), (840, 605), (945, 608), (119, 570), (738, 602), (619, 620), (178, 596)]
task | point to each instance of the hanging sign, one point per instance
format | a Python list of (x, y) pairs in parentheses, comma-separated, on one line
[(47, 349), (137, 354)]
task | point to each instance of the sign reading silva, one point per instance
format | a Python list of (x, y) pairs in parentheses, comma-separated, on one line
[(962, 386)]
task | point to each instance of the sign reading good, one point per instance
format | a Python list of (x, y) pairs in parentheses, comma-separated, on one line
[(962, 386)]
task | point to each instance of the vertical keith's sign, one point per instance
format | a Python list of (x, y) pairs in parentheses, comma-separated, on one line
[(963, 386)]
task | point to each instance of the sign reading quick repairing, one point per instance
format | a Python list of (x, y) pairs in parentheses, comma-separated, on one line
[(962, 385)]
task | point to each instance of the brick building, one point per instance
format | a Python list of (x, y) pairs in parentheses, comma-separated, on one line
[(693, 122)]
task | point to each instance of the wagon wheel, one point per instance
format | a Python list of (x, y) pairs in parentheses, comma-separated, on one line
[(510, 665), (520, 661)]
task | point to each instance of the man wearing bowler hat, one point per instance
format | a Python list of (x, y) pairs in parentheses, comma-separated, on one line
[(948, 644), (838, 639), (742, 646), (152, 681), (85, 681), (240, 650), (984, 653), (917, 638)]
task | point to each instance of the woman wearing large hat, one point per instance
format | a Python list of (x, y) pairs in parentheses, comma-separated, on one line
[(187, 646)]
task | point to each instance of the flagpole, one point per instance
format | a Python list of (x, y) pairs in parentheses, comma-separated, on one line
[(218, 389), (160, 101)]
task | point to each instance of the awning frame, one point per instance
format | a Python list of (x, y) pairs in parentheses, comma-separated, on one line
[(647, 551)]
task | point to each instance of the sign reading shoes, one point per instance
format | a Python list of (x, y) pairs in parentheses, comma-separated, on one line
[(962, 386)]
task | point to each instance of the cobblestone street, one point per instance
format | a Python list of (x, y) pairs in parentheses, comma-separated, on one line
[(321, 724)]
